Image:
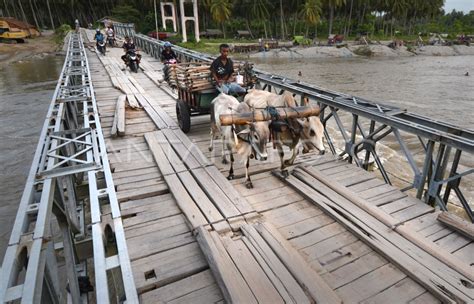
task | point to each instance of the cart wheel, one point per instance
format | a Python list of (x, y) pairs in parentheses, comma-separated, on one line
[(184, 117)]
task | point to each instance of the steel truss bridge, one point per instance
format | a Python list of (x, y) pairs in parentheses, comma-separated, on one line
[(70, 172), (70, 179)]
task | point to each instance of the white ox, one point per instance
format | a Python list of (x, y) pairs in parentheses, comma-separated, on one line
[(248, 141), (289, 132)]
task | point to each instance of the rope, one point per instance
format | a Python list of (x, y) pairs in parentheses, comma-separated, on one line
[(272, 111)]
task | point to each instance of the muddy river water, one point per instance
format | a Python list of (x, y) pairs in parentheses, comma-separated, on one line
[(432, 86), (26, 89)]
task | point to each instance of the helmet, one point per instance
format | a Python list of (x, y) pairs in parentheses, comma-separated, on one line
[(167, 44), (126, 37), (97, 30)]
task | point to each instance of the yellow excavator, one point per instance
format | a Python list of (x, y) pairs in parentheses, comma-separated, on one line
[(9, 34)]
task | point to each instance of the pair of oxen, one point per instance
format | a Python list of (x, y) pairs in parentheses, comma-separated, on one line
[(250, 140)]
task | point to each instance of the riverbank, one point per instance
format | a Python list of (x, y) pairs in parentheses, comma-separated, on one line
[(35, 48), (372, 50)]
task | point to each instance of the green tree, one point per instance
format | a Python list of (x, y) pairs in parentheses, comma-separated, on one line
[(221, 11), (311, 13), (333, 4)]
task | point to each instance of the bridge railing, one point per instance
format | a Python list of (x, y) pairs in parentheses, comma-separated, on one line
[(71, 153), (438, 155)]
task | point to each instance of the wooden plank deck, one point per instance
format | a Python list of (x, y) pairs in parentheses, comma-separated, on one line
[(171, 265)]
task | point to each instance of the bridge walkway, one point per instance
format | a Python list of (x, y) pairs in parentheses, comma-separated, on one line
[(171, 265)]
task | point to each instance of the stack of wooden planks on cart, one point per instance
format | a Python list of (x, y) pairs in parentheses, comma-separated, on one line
[(249, 258), (194, 76)]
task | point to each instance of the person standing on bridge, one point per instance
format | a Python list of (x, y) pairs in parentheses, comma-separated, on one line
[(222, 69)]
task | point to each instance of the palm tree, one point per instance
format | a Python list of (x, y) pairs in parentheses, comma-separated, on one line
[(50, 15), (221, 11), (333, 4), (311, 12), (260, 11)]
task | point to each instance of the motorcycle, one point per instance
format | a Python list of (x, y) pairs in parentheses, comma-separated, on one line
[(111, 41), (133, 60), (101, 46), (171, 61)]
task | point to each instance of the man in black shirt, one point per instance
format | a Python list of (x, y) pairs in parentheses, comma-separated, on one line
[(167, 55), (222, 69)]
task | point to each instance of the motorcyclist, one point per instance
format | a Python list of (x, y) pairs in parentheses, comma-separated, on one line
[(110, 33), (129, 46), (167, 55), (77, 25), (98, 37)]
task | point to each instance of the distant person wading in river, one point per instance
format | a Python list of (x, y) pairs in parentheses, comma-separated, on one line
[(222, 69)]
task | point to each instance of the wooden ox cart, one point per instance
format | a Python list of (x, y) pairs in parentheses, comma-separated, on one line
[(196, 89)]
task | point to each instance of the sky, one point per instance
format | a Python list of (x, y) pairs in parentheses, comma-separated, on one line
[(459, 5)]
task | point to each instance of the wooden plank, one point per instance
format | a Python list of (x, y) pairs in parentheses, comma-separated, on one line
[(179, 288), (328, 245), (305, 227), (193, 148), (397, 205), (120, 114), (238, 200), (158, 153), (185, 202), (371, 284), (367, 185), (200, 198), (158, 241), (208, 294), (291, 214), (453, 242), (402, 292), (284, 200), (166, 147), (319, 234), (144, 202), (132, 101), (233, 286), (251, 271), (183, 152), (133, 165), (436, 277), (165, 209), (168, 266), (387, 198), (306, 277), (354, 270), (170, 123), (455, 222), (138, 193), (137, 178), (465, 254), (355, 179), (215, 194), (283, 280), (141, 184), (344, 255), (157, 225), (157, 120), (413, 212), (424, 299)]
